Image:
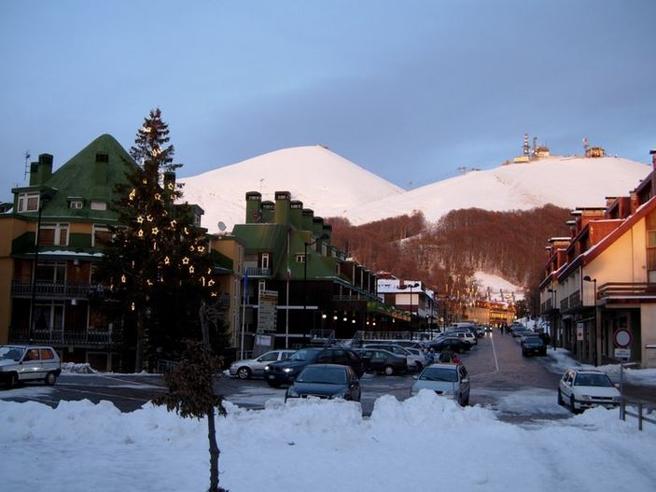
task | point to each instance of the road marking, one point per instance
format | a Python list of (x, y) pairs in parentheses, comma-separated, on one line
[(494, 351)]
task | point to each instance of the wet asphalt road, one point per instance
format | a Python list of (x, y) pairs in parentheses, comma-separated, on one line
[(517, 388)]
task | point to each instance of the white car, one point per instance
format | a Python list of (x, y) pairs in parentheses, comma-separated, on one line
[(581, 389), (465, 336), (248, 368), (448, 380), (415, 359), (28, 363)]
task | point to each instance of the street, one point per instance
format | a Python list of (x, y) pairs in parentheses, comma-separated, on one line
[(518, 389)]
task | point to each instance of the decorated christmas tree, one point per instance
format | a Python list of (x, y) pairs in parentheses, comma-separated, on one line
[(157, 265)]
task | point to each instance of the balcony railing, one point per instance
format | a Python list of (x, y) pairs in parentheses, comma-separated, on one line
[(575, 300), (258, 272), (51, 289), (64, 337), (627, 291), (564, 304)]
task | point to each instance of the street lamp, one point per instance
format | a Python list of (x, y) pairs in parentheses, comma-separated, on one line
[(594, 332), (305, 290), (44, 197), (553, 317)]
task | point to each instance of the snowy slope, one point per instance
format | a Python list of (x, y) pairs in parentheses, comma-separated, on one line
[(562, 181), (321, 179), (497, 284)]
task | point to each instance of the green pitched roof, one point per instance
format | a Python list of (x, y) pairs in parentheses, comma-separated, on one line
[(81, 176)]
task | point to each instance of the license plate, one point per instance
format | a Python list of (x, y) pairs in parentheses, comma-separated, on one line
[(271, 376)]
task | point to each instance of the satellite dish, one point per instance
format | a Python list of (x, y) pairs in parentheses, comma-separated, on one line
[(222, 226)]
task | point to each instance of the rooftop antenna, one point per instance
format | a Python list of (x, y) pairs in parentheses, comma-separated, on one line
[(525, 148), (27, 164), (586, 145), (535, 146), (261, 181), (221, 226)]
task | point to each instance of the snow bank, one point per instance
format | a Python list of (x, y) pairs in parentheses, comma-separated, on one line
[(561, 359), (419, 443), (77, 368)]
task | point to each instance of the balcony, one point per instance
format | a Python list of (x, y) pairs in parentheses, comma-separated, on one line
[(627, 292), (257, 271), (51, 290), (564, 304), (575, 300), (64, 337)]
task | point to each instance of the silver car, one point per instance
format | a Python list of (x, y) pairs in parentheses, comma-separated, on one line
[(450, 380), (248, 368), (28, 363)]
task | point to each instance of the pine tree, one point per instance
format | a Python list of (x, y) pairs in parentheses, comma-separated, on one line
[(158, 265)]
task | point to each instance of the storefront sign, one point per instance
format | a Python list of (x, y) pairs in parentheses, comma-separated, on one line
[(580, 332)]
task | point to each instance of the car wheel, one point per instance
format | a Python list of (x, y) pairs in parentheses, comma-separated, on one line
[(572, 406), (560, 398), (243, 373), (389, 370), (51, 378), (13, 380)]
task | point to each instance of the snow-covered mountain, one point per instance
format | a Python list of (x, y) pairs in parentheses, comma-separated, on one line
[(333, 186), (562, 181), (321, 179)]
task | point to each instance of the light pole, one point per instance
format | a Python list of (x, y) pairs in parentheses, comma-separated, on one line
[(44, 197), (594, 333), (305, 289), (553, 317)]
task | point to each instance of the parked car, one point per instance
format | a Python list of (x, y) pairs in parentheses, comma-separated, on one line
[(465, 335), (28, 363), (451, 343), (248, 368), (284, 372), (383, 361), (581, 389), (449, 380), (521, 332), (407, 344), (326, 381), (414, 361), (533, 345)]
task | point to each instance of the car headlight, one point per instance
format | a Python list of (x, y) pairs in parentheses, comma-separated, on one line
[(586, 397), (267, 368), (291, 393), (288, 370)]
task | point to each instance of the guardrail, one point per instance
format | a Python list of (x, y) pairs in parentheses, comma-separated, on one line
[(640, 414)]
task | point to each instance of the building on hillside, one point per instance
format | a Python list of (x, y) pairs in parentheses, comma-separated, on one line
[(60, 301), (602, 279), (488, 312), (297, 286), (411, 296)]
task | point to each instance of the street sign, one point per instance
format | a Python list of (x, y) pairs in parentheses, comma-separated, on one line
[(622, 354), (622, 338), (580, 332)]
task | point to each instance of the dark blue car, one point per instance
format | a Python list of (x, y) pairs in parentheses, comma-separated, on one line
[(285, 372), (326, 381)]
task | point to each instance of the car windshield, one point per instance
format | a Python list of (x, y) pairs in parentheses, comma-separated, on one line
[(322, 375), (304, 354), (10, 353), (439, 374), (592, 380), (533, 341)]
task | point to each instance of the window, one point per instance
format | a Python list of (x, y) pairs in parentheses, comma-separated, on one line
[(28, 202), (101, 236), (270, 357), (261, 285), (46, 354), (651, 247), (98, 205), (53, 235), (76, 204), (265, 260), (31, 355), (300, 258), (54, 273)]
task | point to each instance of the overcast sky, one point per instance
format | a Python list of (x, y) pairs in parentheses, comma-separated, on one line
[(410, 90)]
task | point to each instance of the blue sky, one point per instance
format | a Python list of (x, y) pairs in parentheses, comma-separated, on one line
[(411, 90)]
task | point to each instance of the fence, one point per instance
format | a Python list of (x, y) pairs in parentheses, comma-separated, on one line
[(639, 414)]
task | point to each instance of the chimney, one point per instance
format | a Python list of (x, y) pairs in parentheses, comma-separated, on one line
[(100, 168), (41, 171), (328, 231), (317, 226), (268, 210), (253, 209), (296, 213), (281, 213), (653, 158), (308, 215)]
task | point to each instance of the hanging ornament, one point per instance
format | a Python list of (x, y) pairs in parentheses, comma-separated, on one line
[(132, 194), (185, 261), (210, 283), (158, 196), (191, 248), (167, 260), (202, 281), (140, 219), (209, 270), (213, 294), (173, 223), (149, 218), (140, 233), (149, 282), (123, 279), (144, 181), (132, 306), (186, 231), (191, 269), (154, 246), (111, 287), (155, 231), (170, 186), (145, 129), (201, 249)]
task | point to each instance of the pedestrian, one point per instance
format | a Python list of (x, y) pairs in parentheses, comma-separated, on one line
[(430, 356)]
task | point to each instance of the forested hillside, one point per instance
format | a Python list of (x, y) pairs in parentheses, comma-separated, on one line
[(446, 254)]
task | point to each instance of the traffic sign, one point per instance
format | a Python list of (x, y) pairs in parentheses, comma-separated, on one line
[(622, 338), (622, 354)]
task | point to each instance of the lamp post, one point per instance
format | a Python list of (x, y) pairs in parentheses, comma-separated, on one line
[(305, 290), (594, 333), (44, 197), (553, 317)]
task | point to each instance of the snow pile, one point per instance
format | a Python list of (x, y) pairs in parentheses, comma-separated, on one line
[(320, 446), (561, 359), (77, 368)]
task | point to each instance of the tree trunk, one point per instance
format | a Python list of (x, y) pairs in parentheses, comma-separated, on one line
[(214, 452), (139, 355)]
